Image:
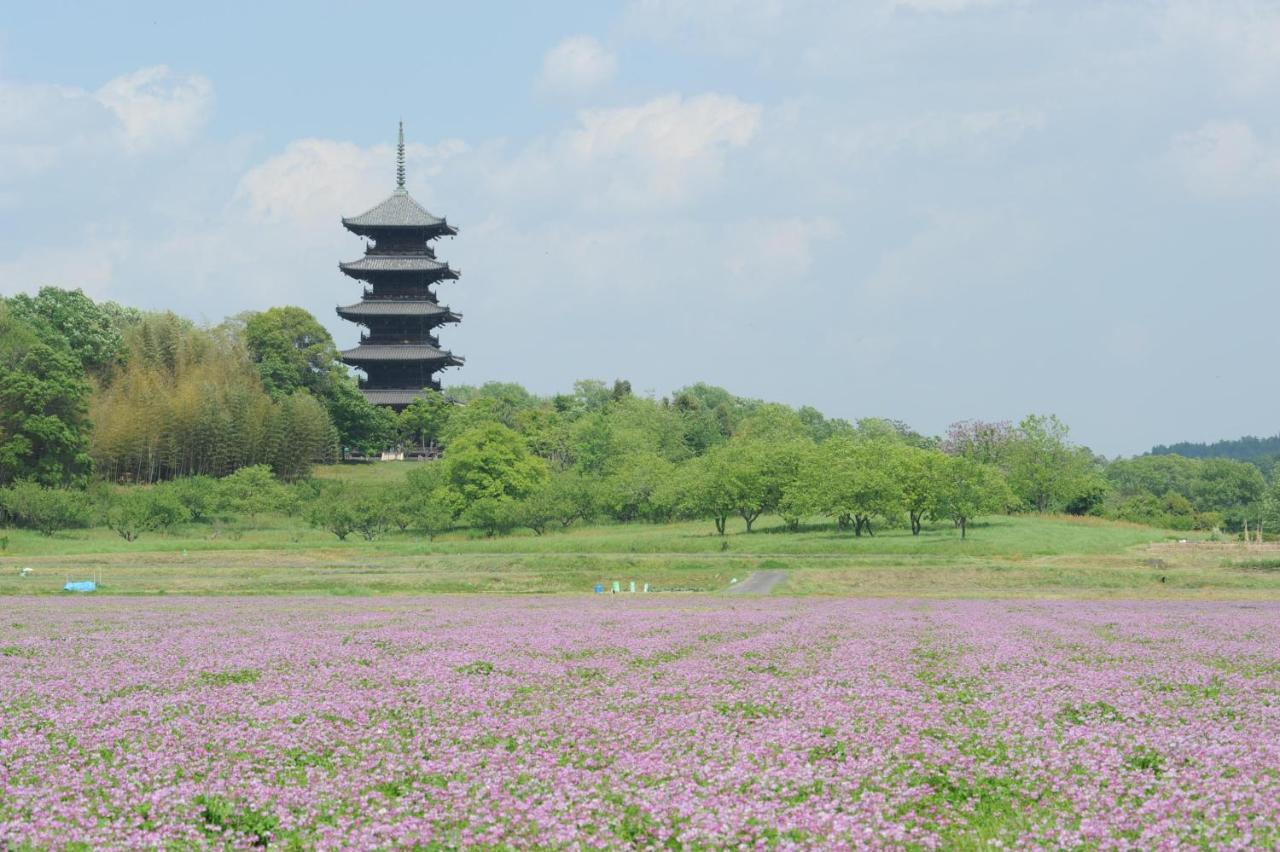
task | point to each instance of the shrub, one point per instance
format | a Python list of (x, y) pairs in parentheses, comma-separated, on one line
[(371, 516), (251, 491), (333, 515), (46, 510), (435, 517), (197, 493), (137, 510), (492, 515)]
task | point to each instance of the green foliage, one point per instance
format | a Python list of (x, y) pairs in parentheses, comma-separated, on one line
[(1260, 452), (334, 515), (491, 462), (639, 489), (292, 351), (360, 425), (90, 331), (371, 515), (46, 510), (705, 491), (566, 497), (44, 396), (424, 420), (434, 517), (189, 401), (197, 494), (1045, 470), (968, 488), (251, 491), (301, 436), (922, 475), (493, 515), (850, 480), (220, 816), (750, 474), (1186, 493), (132, 511)]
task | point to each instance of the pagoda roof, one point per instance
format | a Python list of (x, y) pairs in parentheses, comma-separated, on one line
[(398, 211), (392, 396), (397, 352), (395, 308), (396, 263)]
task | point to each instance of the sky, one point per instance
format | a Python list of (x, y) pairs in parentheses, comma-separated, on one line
[(929, 210)]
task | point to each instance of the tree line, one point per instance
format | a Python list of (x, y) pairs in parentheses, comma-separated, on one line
[(99, 392)]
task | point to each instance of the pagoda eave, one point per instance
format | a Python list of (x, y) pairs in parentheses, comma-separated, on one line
[(373, 231), (367, 353), (384, 308)]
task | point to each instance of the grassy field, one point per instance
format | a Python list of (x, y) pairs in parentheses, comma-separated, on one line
[(1003, 557)]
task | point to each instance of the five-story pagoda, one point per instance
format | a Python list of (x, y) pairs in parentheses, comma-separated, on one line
[(400, 354)]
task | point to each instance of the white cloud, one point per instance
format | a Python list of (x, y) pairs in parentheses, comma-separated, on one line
[(664, 149), (1240, 37), (43, 125), (667, 151), (577, 66), (156, 107), (315, 181), (1225, 159)]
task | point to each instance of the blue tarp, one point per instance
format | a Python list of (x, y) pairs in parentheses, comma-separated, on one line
[(81, 586)]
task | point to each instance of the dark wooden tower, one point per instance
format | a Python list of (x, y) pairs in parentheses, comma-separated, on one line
[(400, 354)]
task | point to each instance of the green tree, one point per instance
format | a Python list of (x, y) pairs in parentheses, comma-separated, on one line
[(493, 515), (360, 424), (566, 497), (637, 489), (132, 511), (333, 515), (46, 510), (850, 480), (1225, 490), (91, 331), (302, 436), (252, 491), (706, 490), (196, 493), (970, 489), (424, 420), (921, 472), (1045, 470), (292, 351), (44, 421), (491, 461), (371, 515), (753, 473), (434, 517)]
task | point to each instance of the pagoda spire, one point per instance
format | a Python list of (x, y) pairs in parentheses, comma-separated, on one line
[(400, 353), (400, 161)]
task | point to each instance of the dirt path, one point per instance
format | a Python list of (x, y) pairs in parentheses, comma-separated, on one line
[(759, 583)]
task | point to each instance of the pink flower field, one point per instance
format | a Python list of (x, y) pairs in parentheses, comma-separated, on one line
[(637, 721)]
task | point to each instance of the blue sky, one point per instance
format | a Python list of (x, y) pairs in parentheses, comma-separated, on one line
[(924, 209)]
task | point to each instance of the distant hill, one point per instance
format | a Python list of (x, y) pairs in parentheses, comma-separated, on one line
[(1262, 452)]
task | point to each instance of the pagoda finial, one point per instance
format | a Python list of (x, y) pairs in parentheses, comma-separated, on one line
[(400, 160)]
